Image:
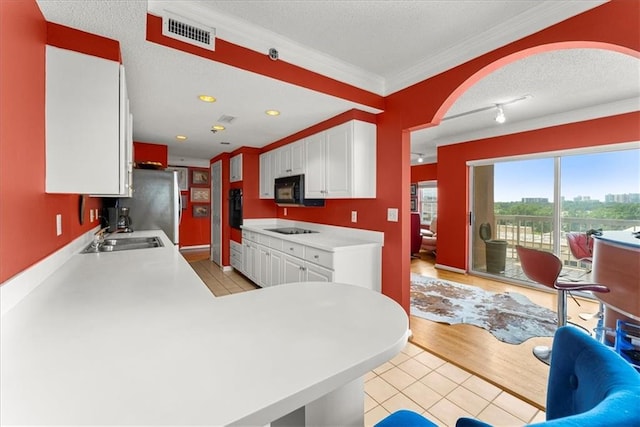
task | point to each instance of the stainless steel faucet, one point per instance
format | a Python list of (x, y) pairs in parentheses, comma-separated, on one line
[(98, 238)]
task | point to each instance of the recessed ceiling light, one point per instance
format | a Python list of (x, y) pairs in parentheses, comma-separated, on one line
[(217, 127), (272, 112), (207, 98), (181, 137)]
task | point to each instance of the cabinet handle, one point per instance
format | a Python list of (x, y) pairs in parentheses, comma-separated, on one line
[(288, 170), (316, 256), (290, 249)]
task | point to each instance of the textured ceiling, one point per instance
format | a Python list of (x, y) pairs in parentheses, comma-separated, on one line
[(377, 45)]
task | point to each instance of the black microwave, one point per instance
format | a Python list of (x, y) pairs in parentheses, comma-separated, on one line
[(289, 191)]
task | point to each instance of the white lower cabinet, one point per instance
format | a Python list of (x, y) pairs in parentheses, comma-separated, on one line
[(236, 255), (250, 259), (270, 261)]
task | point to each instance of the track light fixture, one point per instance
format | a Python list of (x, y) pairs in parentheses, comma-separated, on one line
[(500, 118), (420, 157)]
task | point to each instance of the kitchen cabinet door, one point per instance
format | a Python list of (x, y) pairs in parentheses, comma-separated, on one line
[(263, 274), (315, 273), (250, 260), (276, 259), (339, 162), (86, 124), (291, 159), (268, 166), (314, 179), (293, 269), (236, 168)]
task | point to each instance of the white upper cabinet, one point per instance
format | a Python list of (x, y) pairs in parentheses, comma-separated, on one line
[(341, 162), (89, 141), (314, 178), (290, 159), (268, 167), (236, 168)]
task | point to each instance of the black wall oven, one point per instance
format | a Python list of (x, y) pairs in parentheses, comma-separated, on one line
[(235, 207)]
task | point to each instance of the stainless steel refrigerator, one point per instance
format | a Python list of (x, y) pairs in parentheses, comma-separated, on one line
[(155, 204)]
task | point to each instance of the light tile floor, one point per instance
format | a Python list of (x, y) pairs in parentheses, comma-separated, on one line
[(414, 379)]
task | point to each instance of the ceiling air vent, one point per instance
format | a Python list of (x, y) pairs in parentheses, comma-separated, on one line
[(226, 119), (191, 32)]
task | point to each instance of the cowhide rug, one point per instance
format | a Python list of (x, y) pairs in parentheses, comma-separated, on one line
[(510, 317)]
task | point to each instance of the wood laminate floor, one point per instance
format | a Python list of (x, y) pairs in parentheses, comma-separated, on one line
[(509, 367)]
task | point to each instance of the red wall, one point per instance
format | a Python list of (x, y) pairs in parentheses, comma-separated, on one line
[(27, 214), (194, 231), (428, 172), (453, 184), (147, 152)]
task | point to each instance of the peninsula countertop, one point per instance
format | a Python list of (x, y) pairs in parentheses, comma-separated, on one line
[(326, 237), (136, 338)]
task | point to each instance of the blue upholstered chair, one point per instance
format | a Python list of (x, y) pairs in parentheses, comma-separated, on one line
[(589, 386)]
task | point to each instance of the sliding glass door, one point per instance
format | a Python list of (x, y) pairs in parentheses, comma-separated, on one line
[(536, 202), (513, 202)]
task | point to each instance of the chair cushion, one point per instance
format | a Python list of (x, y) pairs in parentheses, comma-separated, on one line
[(405, 418), (589, 384)]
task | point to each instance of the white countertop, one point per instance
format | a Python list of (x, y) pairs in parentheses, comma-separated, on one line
[(328, 238), (136, 338)]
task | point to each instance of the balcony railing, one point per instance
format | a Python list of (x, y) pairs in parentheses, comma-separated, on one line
[(537, 232)]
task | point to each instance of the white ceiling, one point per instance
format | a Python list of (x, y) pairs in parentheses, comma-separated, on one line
[(380, 46)]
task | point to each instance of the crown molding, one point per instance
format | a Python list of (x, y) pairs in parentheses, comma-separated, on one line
[(543, 15), (242, 33)]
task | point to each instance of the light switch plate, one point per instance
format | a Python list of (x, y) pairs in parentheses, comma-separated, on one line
[(354, 216), (58, 224), (392, 214)]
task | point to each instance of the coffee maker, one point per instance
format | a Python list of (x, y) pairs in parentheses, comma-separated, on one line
[(124, 221)]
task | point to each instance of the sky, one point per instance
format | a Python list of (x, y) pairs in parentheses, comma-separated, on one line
[(592, 175)]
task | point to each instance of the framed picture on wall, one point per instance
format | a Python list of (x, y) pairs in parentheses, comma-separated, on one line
[(414, 190), (200, 211), (183, 174), (199, 177), (199, 195), (414, 204)]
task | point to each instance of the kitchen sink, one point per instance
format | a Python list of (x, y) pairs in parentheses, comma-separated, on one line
[(123, 244)]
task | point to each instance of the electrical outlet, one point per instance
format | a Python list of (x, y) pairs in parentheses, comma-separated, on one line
[(354, 216), (285, 211), (392, 214), (90, 215), (58, 224)]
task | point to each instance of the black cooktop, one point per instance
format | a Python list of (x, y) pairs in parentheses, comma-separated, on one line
[(291, 230)]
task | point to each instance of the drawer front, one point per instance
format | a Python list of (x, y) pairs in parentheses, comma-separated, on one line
[(236, 260), (293, 249), (249, 235), (263, 239), (319, 257), (235, 247), (276, 244)]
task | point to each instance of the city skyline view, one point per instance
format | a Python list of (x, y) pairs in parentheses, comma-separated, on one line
[(585, 175)]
